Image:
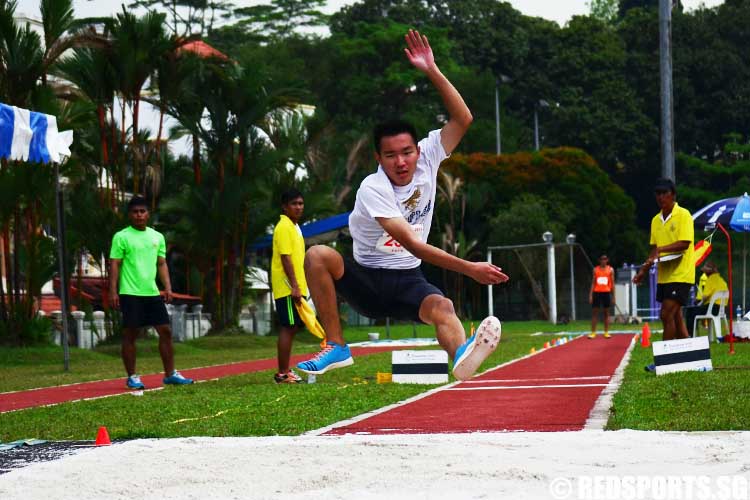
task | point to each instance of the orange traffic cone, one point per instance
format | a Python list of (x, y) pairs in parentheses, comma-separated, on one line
[(102, 437), (645, 335)]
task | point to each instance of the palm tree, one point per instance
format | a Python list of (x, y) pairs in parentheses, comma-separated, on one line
[(238, 174), (138, 44), (25, 60)]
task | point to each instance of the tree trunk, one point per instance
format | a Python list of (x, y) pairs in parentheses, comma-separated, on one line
[(103, 134), (136, 153), (197, 160)]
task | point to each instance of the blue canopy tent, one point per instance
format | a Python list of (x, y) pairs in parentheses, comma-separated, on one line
[(735, 214), (319, 231), (33, 137)]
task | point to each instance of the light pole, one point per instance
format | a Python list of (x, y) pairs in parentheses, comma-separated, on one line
[(665, 66), (551, 285), (543, 104), (498, 141), (570, 240)]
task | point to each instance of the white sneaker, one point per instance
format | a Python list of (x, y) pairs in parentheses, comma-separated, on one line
[(475, 350)]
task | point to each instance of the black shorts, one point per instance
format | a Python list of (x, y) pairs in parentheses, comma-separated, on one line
[(601, 300), (380, 293), (674, 291), (287, 312), (140, 311)]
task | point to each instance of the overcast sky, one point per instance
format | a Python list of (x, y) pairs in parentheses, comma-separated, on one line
[(556, 10)]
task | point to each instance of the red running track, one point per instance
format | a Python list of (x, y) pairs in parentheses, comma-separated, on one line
[(554, 390), (18, 400)]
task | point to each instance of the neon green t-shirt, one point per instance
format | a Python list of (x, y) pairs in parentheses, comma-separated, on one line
[(139, 251)]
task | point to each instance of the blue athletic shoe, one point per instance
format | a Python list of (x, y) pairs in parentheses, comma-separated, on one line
[(650, 368), (134, 382), (332, 356), (475, 350), (177, 379)]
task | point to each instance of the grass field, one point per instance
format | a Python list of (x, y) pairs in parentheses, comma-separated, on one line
[(246, 405), (252, 405), (686, 401)]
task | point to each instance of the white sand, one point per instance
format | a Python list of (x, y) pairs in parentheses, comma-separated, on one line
[(502, 465)]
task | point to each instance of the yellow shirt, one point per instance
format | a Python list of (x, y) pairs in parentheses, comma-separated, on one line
[(714, 283), (287, 240), (701, 284), (677, 227)]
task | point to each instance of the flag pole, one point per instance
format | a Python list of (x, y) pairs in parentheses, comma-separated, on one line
[(60, 208)]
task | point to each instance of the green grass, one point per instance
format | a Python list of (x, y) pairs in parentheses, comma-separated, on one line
[(246, 405), (685, 401), (252, 405)]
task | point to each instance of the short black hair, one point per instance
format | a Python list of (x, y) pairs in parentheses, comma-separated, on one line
[(137, 201), (290, 194), (391, 128), (664, 184)]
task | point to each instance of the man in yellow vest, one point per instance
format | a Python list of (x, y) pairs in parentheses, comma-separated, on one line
[(288, 279), (672, 247), (713, 283)]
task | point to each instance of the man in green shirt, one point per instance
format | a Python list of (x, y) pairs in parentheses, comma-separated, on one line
[(138, 251)]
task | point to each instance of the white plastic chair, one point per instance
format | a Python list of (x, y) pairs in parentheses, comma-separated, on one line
[(714, 327)]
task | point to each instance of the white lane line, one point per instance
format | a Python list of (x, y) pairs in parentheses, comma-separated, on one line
[(502, 380), (503, 387), (600, 412)]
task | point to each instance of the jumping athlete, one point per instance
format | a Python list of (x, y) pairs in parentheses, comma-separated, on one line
[(389, 225)]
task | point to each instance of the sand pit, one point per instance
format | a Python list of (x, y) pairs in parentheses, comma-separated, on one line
[(496, 465)]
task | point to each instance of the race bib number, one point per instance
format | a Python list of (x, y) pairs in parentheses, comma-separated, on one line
[(602, 280), (388, 244)]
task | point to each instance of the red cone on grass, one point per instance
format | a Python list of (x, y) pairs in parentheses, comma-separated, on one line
[(102, 437), (645, 335)]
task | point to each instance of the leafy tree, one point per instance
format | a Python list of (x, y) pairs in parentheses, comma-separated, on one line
[(27, 190), (584, 199), (281, 18), (604, 10), (188, 16)]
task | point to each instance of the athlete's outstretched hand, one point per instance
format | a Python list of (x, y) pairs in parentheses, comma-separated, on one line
[(487, 274), (419, 52)]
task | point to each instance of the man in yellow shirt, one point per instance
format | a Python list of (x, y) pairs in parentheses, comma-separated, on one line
[(671, 234), (713, 283), (288, 279)]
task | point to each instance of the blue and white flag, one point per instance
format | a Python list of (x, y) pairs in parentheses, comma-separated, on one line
[(30, 136)]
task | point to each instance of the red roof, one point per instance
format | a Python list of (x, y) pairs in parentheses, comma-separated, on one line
[(202, 49)]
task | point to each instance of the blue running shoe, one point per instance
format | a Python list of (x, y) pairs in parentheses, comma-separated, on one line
[(134, 382), (650, 368), (177, 379), (475, 350), (332, 356)]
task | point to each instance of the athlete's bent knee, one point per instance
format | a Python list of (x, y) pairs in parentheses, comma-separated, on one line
[(439, 307), (320, 258)]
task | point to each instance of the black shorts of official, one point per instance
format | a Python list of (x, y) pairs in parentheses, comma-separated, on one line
[(140, 311), (287, 312), (380, 293), (674, 291), (601, 300)]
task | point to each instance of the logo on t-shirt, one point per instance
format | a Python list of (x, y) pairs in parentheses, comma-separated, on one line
[(413, 200)]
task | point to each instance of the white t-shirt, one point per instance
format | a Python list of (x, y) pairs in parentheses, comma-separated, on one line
[(415, 202)]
